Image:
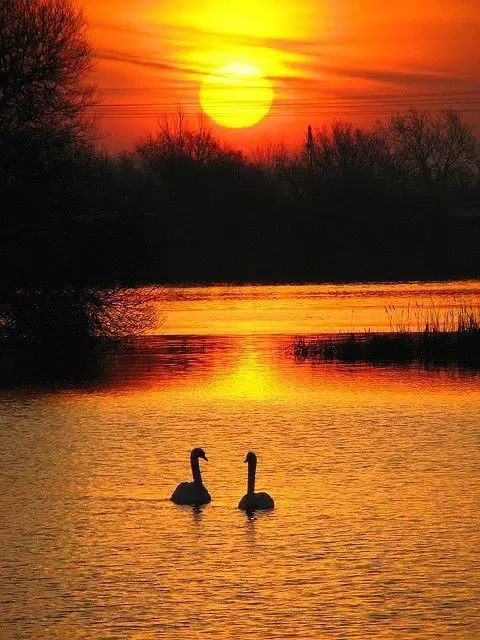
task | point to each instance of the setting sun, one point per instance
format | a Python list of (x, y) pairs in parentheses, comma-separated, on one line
[(236, 95)]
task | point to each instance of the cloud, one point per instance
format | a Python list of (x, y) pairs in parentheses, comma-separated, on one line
[(159, 65), (389, 76), (192, 37)]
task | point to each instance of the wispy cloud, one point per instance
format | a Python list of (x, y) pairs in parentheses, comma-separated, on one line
[(390, 76), (159, 65)]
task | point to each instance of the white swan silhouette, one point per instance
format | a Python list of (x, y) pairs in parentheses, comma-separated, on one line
[(252, 501), (193, 493)]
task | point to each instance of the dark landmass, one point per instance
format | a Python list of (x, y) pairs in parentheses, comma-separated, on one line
[(399, 201), (164, 215)]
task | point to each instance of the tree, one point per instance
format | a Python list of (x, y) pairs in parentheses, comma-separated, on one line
[(179, 145), (434, 151), (47, 292), (44, 59), (348, 158)]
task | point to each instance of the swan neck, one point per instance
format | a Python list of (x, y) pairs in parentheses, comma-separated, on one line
[(252, 467), (195, 463)]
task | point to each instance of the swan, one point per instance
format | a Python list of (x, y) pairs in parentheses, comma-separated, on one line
[(193, 493), (252, 501)]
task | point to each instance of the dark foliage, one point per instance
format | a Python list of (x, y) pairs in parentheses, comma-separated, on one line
[(53, 228), (74, 314), (44, 57)]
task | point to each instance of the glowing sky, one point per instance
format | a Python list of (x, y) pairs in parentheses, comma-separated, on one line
[(350, 59)]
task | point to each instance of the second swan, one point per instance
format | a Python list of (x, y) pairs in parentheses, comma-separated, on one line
[(252, 501)]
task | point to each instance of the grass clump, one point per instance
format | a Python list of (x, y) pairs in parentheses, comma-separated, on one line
[(444, 338)]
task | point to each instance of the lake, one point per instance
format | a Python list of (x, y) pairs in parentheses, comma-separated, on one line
[(375, 472)]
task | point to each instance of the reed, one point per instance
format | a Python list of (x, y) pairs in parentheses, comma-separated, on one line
[(432, 337)]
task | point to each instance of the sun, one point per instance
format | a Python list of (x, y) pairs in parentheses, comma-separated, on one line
[(236, 95)]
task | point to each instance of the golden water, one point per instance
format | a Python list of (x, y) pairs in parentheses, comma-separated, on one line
[(309, 308), (375, 472)]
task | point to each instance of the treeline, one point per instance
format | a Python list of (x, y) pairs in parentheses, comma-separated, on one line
[(399, 200)]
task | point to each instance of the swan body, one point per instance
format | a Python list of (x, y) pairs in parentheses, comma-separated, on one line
[(256, 502), (252, 501), (193, 493)]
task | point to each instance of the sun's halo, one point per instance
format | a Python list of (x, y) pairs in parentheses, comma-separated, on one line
[(236, 95)]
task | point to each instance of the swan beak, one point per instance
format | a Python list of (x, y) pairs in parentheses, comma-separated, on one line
[(246, 460), (204, 458)]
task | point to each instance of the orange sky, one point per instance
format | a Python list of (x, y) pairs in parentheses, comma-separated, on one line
[(326, 59)]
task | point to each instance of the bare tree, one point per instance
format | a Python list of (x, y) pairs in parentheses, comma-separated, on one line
[(435, 150), (272, 155), (177, 141), (44, 59), (342, 159), (77, 313), (344, 149)]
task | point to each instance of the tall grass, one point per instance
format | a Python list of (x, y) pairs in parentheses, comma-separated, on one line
[(433, 337), (433, 319)]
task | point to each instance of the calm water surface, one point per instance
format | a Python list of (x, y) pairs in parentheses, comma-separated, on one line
[(375, 472)]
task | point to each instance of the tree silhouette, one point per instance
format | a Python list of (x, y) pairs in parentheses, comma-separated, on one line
[(44, 58), (434, 152)]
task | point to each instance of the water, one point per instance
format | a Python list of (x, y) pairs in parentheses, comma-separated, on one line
[(374, 470)]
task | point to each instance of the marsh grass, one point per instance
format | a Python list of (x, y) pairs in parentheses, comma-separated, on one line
[(432, 337)]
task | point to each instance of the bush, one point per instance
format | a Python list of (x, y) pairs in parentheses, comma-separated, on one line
[(75, 314)]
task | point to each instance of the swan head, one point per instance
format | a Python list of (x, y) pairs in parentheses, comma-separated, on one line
[(250, 457), (199, 453)]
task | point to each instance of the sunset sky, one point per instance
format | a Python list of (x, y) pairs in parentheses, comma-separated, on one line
[(317, 60)]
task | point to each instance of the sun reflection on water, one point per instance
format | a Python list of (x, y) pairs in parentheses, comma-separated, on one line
[(251, 376)]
